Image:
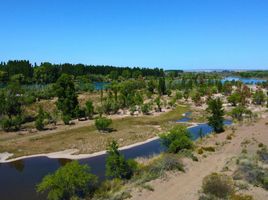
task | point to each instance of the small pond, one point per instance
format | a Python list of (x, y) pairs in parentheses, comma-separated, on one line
[(100, 85)]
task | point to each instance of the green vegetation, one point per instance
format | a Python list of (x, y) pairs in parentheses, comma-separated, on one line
[(102, 123), (252, 171), (216, 111), (72, 180), (67, 99), (218, 185), (177, 139), (116, 165)]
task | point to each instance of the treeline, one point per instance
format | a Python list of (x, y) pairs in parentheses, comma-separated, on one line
[(46, 72), (257, 73)]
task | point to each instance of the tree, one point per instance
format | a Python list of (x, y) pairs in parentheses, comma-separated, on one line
[(177, 139), (145, 108), (158, 103), (162, 86), (197, 99), (151, 86), (234, 99), (126, 74), (69, 181), (89, 109), (102, 123), (116, 165), (39, 122), (13, 100), (239, 111), (67, 98), (215, 120), (259, 97)]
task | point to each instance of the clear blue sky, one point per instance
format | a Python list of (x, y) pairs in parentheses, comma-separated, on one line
[(149, 33)]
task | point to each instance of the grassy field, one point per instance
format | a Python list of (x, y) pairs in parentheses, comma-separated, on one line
[(87, 139)]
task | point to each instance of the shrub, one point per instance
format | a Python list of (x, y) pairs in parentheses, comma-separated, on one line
[(260, 145), (39, 125), (68, 182), (229, 137), (177, 139), (11, 124), (80, 112), (263, 155), (211, 149), (219, 185), (66, 119), (6, 124), (200, 151), (145, 108), (103, 123), (265, 182), (253, 173), (158, 167), (108, 188), (241, 197), (39, 122), (89, 109)]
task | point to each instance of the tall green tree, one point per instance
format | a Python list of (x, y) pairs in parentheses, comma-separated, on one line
[(67, 98), (162, 86), (116, 165), (215, 119), (89, 109)]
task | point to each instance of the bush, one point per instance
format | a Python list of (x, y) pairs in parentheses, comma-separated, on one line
[(219, 185), (145, 108), (39, 122), (6, 124), (108, 189), (200, 151), (263, 155), (89, 109), (210, 148), (265, 182), (80, 113), (158, 167), (229, 137), (11, 124), (250, 171), (103, 123), (66, 119), (68, 182), (241, 197), (177, 139), (39, 125)]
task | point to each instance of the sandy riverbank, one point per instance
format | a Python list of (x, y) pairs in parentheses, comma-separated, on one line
[(67, 154)]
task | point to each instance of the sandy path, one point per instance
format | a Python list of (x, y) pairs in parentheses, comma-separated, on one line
[(186, 185)]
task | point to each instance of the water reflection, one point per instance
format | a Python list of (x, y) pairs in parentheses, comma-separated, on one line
[(63, 161), (18, 165)]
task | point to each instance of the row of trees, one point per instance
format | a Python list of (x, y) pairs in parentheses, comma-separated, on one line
[(48, 73)]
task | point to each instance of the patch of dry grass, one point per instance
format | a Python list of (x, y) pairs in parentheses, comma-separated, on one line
[(87, 139)]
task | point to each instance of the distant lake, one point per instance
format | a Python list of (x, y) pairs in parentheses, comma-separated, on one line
[(100, 85), (249, 81)]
